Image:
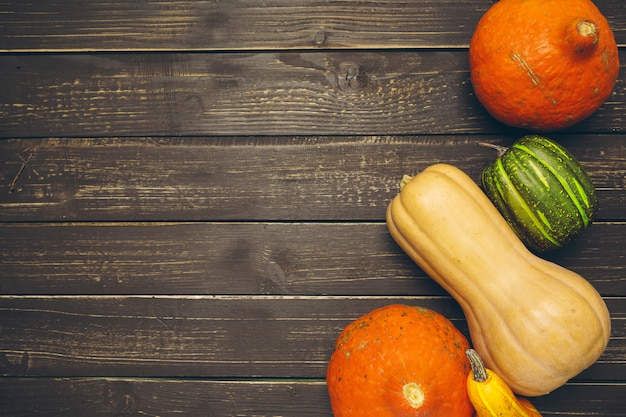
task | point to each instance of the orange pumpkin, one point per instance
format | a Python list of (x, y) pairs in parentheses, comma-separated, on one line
[(543, 64), (400, 360)]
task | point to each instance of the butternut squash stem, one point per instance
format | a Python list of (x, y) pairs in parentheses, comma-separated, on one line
[(404, 181), (478, 367), (501, 149)]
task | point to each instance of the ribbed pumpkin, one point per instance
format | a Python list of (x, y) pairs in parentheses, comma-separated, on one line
[(542, 191), (400, 361)]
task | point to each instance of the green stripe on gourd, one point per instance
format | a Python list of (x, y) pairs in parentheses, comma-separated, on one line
[(507, 191), (542, 191), (564, 181), (524, 217)]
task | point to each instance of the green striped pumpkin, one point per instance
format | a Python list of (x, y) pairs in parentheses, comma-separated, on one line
[(542, 191)]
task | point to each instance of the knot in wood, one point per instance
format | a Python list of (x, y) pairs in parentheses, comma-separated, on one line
[(351, 76), (320, 38), (121, 397)]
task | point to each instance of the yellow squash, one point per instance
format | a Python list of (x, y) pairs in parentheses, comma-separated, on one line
[(491, 396), (535, 323)]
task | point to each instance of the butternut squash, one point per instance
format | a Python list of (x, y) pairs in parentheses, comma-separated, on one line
[(535, 323)]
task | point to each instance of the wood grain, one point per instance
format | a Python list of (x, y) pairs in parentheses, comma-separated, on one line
[(270, 93), (217, 179), (172, 397), (226, 398), (249, 258), (210, 336), (115, 25)]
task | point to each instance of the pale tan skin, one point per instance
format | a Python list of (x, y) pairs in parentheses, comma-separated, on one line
[(533, 322)]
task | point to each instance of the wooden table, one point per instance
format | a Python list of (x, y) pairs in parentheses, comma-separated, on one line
[(192, 197)]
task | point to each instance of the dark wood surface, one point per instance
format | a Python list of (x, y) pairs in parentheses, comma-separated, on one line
[(192, 197)]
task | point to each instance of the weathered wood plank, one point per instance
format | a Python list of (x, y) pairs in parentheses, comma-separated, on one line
[(274, 93), (249, 258), (209, 336), (197, 258), (227, 398), (261, 178), (247, 24)]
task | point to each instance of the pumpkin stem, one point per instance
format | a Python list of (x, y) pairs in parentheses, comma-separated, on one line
[(586, 35), (478, 367), (414, 394), (501, 149)]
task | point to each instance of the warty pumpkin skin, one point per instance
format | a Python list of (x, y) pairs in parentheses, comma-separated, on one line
[(533, 322), (399, 361)]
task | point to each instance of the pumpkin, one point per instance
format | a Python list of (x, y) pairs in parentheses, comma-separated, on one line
[(535, 323), (491, 396), (542, 191), (543, 65), (399, 360)]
